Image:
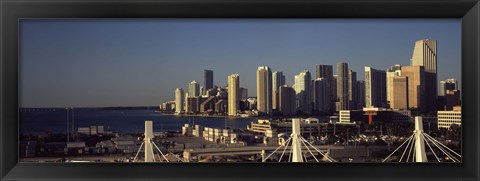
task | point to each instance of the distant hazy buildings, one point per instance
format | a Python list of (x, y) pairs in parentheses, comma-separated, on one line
[(179, 101), (207, 79), (375, 88), (278, 79), (264, 90), (416, 86), (342, 85), (425, 54), (303, 91), (243, 93), (194, 89), (233, 94), (287, 100)]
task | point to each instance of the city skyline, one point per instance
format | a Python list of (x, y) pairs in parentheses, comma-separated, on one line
[(141, 88)]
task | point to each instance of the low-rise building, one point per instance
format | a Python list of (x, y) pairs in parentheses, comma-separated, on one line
[(447, 118)]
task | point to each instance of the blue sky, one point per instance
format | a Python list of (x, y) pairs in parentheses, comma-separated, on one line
[(134, 62)]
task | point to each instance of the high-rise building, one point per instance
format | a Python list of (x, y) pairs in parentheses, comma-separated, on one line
[(342, 85), (392, 72), (321, 99), (264, 90), (303, 91), (425, 54), (416, 86), (399, 91), (278, 79), (375, 87), (287, 100), (194, 89), (449, 84), (179, 101), (233, 94), (207, 79), (352, 89), (361, 94), (333, 92), (326, 72)]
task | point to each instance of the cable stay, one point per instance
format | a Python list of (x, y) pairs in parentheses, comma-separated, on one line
[(415, 144)]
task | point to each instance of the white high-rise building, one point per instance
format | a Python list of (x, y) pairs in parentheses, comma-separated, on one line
[(264, 90), (179, 101), (303, 91), (194, 89), (233, 94)]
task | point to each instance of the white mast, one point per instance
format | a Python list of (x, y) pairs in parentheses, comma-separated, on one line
[(147, 141), (296, 141), (420, 155)]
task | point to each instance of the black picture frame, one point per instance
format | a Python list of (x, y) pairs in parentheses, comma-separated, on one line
[(11, 10)]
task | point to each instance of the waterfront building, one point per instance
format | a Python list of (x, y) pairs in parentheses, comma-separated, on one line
[(342, 86), (252, 103), (321, 99), (447, 118), (449, 84), (399, 90), (303, 91), (375, 88), (194, 89), (264, 90), (287, 100), (233, 94), (425, 54), (352, 89), (416, 87), (208, 105), (278, 79), (208, 79), (179, 101)]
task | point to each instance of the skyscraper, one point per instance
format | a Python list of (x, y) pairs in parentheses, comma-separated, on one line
[(375, 88), (278, 80), (425, 54), (264, 90), (361, 94), (207, 79), (179, 101), (194, 89), (392, 72), (287, 100), (303, 91), (233, 94), (449, 84), (326, 72), (399, 92), (416, 86), (321, 99), (342, 85), (352, 89)]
